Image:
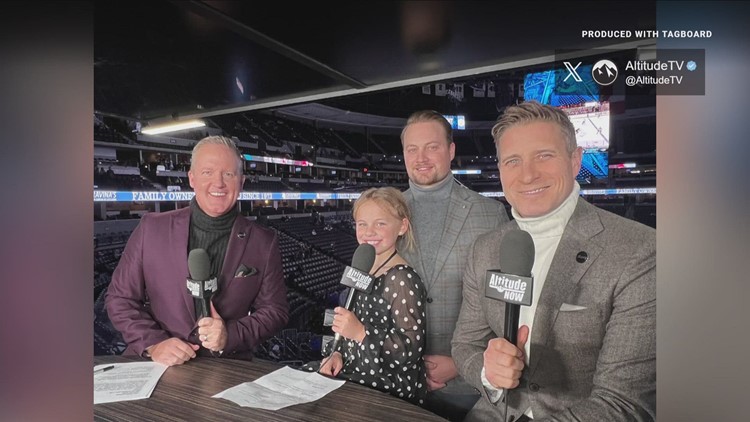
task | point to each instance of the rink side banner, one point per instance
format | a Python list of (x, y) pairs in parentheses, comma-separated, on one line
[(133, 196)]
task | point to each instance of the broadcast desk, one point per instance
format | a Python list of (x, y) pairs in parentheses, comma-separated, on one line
[(184, 394)]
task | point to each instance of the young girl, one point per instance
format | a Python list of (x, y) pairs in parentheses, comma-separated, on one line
[(384, 334)]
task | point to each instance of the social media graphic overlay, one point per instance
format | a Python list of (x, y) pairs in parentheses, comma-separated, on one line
[(675, 72), (573, 71), (604, 72), (647, 72)]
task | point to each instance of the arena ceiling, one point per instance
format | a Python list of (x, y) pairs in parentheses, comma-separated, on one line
[(178, 59)]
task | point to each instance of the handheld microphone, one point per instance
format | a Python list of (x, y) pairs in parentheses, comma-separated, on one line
[(513, 283), (357, 278), (200, 284)]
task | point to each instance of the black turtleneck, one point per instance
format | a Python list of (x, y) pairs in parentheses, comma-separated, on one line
[(211, 234)]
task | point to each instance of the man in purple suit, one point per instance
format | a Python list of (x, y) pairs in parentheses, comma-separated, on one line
[(148, 300)]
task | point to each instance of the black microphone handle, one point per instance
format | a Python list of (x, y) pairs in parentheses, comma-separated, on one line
[(206, 305), (337, 337), (200, 310), (349, 298), (512, 317), (204, 309)]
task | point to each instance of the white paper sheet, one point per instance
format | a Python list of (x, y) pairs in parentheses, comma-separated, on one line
[(126, 381), (281, 388)]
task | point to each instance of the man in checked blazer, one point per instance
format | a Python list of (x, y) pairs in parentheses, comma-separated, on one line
[(148, 300), (446, 218), (586, 347)]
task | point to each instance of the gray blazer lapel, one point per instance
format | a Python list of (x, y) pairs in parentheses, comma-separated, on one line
[(564, 273), (458, 211)]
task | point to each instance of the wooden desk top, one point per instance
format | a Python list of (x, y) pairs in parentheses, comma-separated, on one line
[(184, 394)]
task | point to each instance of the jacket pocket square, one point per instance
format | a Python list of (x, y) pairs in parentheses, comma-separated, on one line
[(244, 271), (566, 307)]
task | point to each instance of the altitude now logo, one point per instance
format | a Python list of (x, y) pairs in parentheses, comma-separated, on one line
[(357, 279), (508, 287)]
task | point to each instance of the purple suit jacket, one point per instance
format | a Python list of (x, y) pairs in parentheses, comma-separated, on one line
[(154, 266)]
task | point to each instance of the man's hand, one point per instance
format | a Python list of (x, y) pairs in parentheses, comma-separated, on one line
[(332, 365), (504, 362), (347, 324), (440, 369), (172, 351), (212, 332)]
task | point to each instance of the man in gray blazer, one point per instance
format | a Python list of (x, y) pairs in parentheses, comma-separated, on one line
[(446, 218), (586, 346), (148, 300)]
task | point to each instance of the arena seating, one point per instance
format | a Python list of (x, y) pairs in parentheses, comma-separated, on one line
[(323, 236), (314, 250), (265, 184)]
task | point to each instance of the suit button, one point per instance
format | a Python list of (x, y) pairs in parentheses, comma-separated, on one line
[(534, 387), (429, 300)]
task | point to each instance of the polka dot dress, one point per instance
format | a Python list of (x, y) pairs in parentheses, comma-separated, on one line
[(390, 357)]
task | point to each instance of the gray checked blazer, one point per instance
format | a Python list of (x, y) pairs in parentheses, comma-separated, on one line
[(593, 346), (469, 215)]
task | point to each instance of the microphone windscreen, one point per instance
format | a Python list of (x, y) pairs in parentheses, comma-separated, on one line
[(199, 265), (364, 257), (517, 253)]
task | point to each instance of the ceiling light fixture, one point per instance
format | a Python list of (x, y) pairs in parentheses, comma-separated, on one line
[(173, 127)]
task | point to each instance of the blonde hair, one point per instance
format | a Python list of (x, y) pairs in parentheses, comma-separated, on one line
[(530, 112), (218, 140), (423, 116), (390, 199)]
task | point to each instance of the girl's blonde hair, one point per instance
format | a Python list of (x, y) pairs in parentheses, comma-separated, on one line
[(392, 200)]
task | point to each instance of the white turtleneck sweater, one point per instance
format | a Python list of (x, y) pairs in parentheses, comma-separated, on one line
[(546, 232)]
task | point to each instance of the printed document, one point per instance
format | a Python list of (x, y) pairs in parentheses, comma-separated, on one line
[(281, 388), (126, 381)]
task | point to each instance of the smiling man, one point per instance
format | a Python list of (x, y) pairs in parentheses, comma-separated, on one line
[(586, 347), (148, 300), (446, 218), (215, 177)]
